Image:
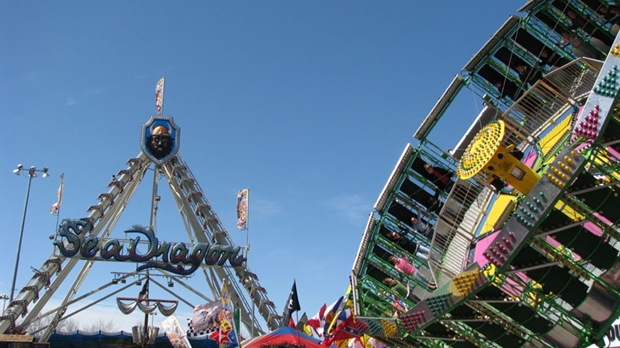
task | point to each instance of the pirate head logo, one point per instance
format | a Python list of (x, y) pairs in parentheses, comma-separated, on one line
[(160, 139)]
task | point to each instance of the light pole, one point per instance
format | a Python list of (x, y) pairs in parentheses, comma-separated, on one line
[(3, 297), (32, 173)]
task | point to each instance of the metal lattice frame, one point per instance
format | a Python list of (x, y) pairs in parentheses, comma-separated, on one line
[(202, 226), (551, 275)]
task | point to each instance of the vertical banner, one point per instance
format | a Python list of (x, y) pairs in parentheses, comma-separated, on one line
[(175, 333), (56, 206), (242, 209), (227, 335), (159, 96)]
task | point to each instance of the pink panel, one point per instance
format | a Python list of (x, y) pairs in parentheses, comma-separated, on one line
[(481, 246)]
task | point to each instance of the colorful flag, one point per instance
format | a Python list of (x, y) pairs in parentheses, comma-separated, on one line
[(227, 338), (56, 206), (292, 305), (315, 321), (346, 327), (205, 320), (242, 209), (330, 315), (302, 322), (307, 330), (175, 333), (159, 96), (340, 322), (344, 303)]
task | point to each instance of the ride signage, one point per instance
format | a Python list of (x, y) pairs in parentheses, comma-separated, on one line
[(173, 257)]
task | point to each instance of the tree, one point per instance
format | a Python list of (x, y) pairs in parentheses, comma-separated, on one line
[(66, 325), (101, 325)]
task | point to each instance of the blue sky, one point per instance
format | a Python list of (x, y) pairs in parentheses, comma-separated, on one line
[(307, 103)]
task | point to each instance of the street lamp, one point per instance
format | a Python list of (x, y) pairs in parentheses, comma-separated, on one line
[(3, 297), (32, 173)]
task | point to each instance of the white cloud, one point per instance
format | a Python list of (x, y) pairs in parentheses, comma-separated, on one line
[(71, 101)]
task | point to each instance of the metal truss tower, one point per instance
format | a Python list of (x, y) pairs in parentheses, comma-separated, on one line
[(202, 225)]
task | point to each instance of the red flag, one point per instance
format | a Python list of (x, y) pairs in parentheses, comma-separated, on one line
[(315, 321), (345, 329)]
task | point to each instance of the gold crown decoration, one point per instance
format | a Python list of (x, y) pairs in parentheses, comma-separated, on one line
[(160, 130)]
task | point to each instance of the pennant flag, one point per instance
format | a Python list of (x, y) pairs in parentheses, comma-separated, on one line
[(292, 305), (307, 330), (159, 96), (315, 321), (330, 315), (205, 321), (341, 307), (302, 322), (144, 293), (174, 332), (56, 206), (346, 327), (242, 209), (341, 325)]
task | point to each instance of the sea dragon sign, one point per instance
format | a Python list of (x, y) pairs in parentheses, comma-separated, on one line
[(74, 241)]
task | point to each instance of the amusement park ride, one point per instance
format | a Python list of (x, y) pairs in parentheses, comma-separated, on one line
[(527, 230), (525, 238), (87, 240)]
